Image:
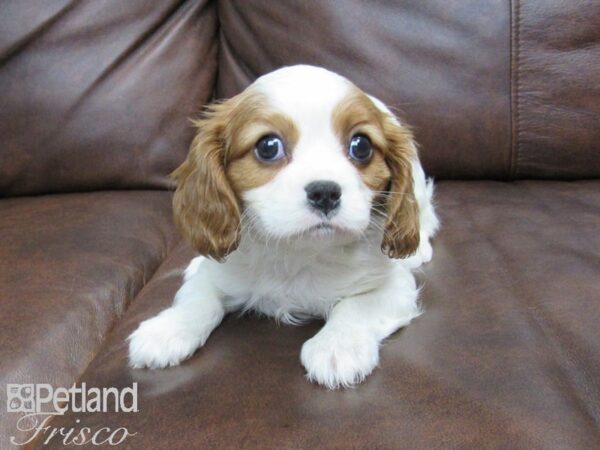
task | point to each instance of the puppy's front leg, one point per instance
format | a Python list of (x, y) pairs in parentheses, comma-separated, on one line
[(346, 349), (174, 334)]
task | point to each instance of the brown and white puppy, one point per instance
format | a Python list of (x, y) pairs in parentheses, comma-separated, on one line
[(306, 198)]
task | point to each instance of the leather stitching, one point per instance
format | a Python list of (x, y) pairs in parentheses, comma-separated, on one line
[(515, 89)]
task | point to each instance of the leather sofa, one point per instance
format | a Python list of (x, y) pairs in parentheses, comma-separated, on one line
[(504, 99)]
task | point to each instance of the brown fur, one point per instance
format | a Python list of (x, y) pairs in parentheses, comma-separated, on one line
[(220, 165), (401, 236), (244, 170), (390, 166)]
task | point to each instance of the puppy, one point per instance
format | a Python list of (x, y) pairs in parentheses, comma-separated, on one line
[(306, 199)]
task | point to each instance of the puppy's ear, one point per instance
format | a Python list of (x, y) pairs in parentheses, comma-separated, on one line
[(401, 237), (205, 207)]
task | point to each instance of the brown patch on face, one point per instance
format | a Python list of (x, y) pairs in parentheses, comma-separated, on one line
[(357, 114), (390, 165), (376, 174), (244, 170), (221, 165)]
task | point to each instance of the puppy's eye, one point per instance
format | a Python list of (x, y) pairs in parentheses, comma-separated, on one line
[(360, 148), (269, 148)]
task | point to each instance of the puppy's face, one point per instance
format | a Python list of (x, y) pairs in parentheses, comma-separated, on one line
[(301, 154)]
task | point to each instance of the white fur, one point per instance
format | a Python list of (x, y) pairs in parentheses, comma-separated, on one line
[(287, 270)]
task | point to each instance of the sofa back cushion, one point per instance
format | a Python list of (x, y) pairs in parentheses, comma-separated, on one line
[(96, 94), (493, 89)]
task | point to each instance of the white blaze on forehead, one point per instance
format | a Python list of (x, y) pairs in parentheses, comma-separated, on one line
[(307, 94)]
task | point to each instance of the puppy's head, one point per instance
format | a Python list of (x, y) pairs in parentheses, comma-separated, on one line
[(300, 154)]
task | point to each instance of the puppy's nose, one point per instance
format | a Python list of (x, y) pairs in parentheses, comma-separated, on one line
[(323, 195)]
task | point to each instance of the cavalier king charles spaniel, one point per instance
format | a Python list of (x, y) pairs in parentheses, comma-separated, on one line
[(305, 197)]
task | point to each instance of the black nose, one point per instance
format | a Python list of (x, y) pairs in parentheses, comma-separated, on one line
[(323, 195)]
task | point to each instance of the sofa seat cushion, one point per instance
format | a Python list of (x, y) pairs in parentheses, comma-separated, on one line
[(506, 354), (69, 266)]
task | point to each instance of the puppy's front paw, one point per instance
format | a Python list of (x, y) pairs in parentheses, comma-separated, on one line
[(161, 341), (335, 358)]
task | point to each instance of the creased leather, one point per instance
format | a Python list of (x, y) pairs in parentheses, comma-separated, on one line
[(97, 95), (557, 93)]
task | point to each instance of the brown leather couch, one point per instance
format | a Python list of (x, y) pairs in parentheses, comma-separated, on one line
[(504, 98)]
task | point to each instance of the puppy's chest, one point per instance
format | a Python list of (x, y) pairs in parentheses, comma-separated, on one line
[(300, 283)]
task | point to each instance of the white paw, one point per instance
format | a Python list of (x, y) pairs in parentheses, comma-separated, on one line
[(162, 341), (340, 358)]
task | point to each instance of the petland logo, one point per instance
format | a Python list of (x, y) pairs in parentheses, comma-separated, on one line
[(39, 402)]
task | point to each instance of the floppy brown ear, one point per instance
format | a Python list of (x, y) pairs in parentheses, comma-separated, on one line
[(205, 207), (401, 237)]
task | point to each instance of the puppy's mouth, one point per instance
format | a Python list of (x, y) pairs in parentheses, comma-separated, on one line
[(322, 226), (323, 229)]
